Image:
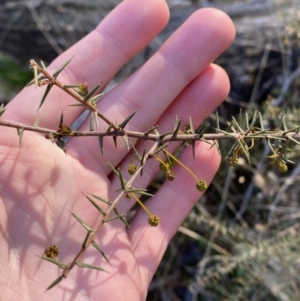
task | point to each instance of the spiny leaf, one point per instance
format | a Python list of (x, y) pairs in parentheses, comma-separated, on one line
[(193, 148), (101, 199), (89, 229), (90, 266), (100, 139), (254, 118), (151, 130), (33, 80), (136, 154), (92, 123), (96, 97), (115, 217), (61, 144), (56, 281), (140, 191), (191, 125), (56, 73), (294, 140), (85, 240), (261, 122), (245, 151), (89, 95), (121, 217), (96, 205), (176, 126), (95, 245), (125, 137), (115, 141), (114, 170), (237, 125), (161, 148), (123, 182), (35, 72), (76, 105), (45, 94), (217, 120), (56, 262), (247, 120), (124, 123), (43, 65), (20, 134)]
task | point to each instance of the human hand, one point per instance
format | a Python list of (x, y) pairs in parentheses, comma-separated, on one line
[(39, 183)]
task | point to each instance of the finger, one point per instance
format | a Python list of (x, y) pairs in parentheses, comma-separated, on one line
[(199, 99), (153, 87), (97, 58), (172, 204)]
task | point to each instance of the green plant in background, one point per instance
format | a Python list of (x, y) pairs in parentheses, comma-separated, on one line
[(12, 77), (245, 136)]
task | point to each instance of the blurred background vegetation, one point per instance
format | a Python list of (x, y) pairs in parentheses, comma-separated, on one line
[(240, 242)]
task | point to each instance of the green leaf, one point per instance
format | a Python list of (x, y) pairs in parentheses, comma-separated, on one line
[(254, 118), (89, 229), (20, 134), (45, 94), (85, 240), (261, 121), (120, 216), (56, 262), (35, 72), (61, 144), (56, 73), (140, 191), (125, 137), (217, 120), (151, 130), (101, 199), (114, 170), (115, 141), (176, 126), (237, 125), (161, 148), (123, 182), (136, 154), (115, 217), (90, 266), (100, 139), (43, 65), (56, 281), (33, 80), (96, 205), (191, 125), (89, 95), (92, 123), (97, 97), (124, 123), (95, 245)]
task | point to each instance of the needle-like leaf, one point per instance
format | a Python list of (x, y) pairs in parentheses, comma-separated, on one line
[(90, 266), (89, 95), (89, 229), (95, 245), (56, 281), (124, 123), (56, 73), (48, 88)]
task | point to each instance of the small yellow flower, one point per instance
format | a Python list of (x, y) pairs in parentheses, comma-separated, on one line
[(51, 251), (153, 220)]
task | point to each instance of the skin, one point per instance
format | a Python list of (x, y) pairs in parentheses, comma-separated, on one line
[(39, 183)]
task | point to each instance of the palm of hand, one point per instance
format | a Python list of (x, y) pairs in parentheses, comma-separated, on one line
[(39, 183)]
